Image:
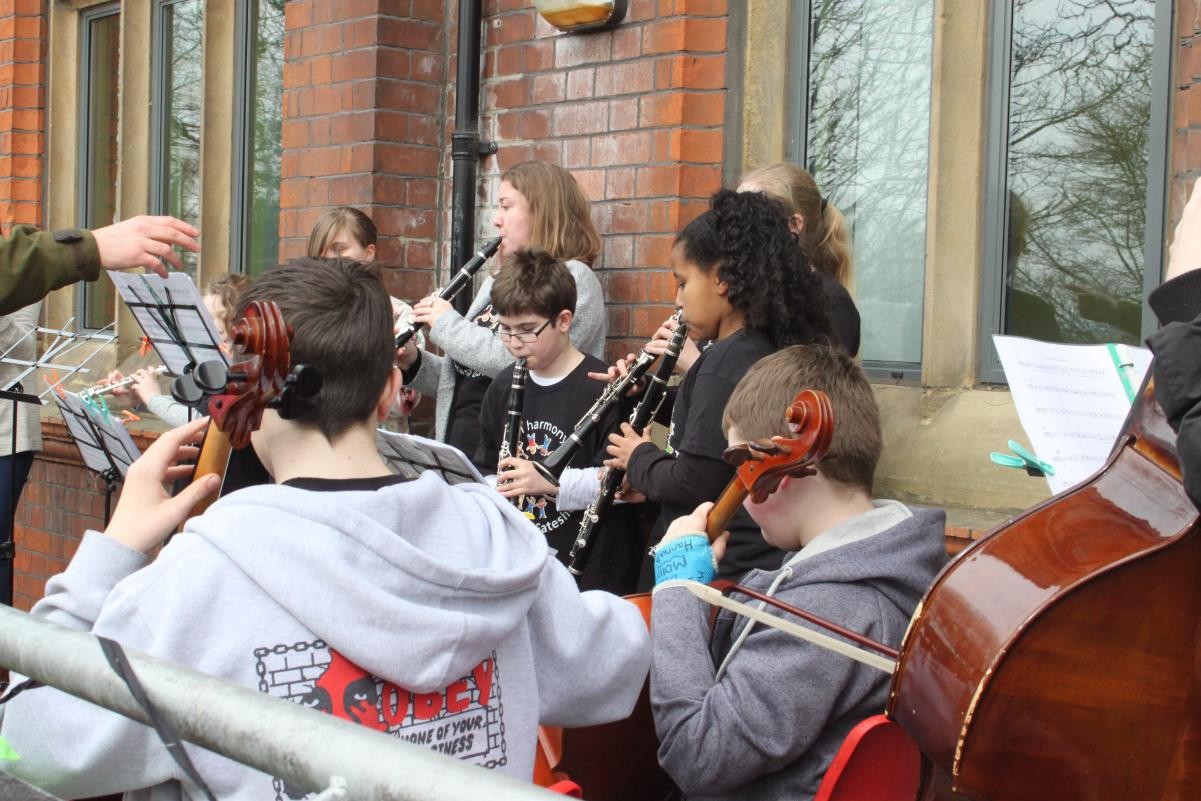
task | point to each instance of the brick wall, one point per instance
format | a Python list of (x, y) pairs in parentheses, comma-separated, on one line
[(1186, 108), (635, 113), (22, 111), (363, 81)]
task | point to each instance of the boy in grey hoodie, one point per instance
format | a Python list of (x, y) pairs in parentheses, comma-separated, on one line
[(748, 712), (429, 612)]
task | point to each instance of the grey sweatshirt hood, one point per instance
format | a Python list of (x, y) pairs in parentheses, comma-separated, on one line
[(894, 548), (368, 573)]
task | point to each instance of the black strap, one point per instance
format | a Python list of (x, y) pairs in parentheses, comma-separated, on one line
[(162, 727), (16, 689)]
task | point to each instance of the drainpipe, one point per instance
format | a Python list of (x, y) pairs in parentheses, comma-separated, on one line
[(466, 148)]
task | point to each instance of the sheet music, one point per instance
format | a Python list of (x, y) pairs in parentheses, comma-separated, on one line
[(409, 455), (103, 442), (1071, 401), (173, 317)]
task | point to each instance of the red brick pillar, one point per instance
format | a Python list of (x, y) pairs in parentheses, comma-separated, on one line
[(22, 110), (635, 113), (364, 83)]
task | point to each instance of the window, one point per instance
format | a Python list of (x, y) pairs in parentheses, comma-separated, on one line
[(175, 129), (100, 59), (866, 136), (1078, 161), (255, 240)]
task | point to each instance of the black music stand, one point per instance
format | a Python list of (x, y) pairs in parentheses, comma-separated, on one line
[(103, 443), (172, 315), (63, 343)]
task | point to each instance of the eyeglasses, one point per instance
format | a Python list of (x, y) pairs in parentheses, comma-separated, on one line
[(521, 336)]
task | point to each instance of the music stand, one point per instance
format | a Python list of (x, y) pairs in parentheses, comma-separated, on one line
[(103, 442), (64, 343), (409, 455), (174, 319)]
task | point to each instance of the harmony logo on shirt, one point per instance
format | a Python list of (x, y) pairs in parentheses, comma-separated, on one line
[(465, 719)]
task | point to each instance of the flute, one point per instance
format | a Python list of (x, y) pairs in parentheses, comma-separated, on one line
[(511, 435), (128, 381), (460, 280), (554, 464), (611, 477)]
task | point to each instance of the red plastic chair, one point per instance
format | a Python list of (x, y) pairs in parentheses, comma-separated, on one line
[(878, 761)]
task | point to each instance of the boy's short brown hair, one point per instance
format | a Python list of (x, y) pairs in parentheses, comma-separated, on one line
[(532, 281), (341, 320), (758, 404)]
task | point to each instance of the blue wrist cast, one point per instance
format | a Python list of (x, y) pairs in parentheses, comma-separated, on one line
[(688, 557)]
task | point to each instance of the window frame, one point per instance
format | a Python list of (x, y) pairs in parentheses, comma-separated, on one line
[(996, 201), (85, 175), (242, 181), (796, 150)]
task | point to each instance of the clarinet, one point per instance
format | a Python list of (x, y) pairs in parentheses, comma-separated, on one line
[(512, 431), (552, 467), (460, 280), (611, 477)]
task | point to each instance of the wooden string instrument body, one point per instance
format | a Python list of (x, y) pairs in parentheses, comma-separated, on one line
[(1059, 657)]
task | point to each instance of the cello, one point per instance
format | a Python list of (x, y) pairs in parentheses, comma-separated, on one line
[(618, 761)]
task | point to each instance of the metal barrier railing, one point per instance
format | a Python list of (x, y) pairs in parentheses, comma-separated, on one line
[(305, 747)]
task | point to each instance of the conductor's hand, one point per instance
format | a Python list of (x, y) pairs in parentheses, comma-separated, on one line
[(429, 310), (144, 241), (146, 513), (518, 477), (1184, 255), (622, 445), (689, 352)]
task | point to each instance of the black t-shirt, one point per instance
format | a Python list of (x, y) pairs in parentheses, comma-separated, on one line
[(549, 415), (463, 421), (844, 317), (691, 470)]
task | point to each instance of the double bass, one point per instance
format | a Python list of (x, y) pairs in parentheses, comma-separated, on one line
[(1059, 657)]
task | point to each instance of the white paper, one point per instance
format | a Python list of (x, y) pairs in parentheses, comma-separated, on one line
[(173, 317), (103, 442), (1071, 401), (409, 455)]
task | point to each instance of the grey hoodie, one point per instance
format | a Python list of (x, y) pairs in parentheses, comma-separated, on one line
[(475, 347), (767, 725), (434, 613)]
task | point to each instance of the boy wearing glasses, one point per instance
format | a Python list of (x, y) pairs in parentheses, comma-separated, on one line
[(533, 302)]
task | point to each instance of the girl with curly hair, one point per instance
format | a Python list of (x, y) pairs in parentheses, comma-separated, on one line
[(824, 236), (744, 283)]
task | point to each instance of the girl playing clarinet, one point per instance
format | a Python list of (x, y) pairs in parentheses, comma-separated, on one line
[(538, 205), (743, 282)]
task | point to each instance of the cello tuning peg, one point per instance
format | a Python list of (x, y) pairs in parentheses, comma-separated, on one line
[(185, 390), (303, 381), (211, 376)]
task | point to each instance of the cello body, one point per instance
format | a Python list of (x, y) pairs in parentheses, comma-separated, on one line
[(1059, 657)]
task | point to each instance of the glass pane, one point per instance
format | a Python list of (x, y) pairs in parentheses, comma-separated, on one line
[(868, 146), (262, 218), (103, 58), (183, 84), (1079, 119)]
